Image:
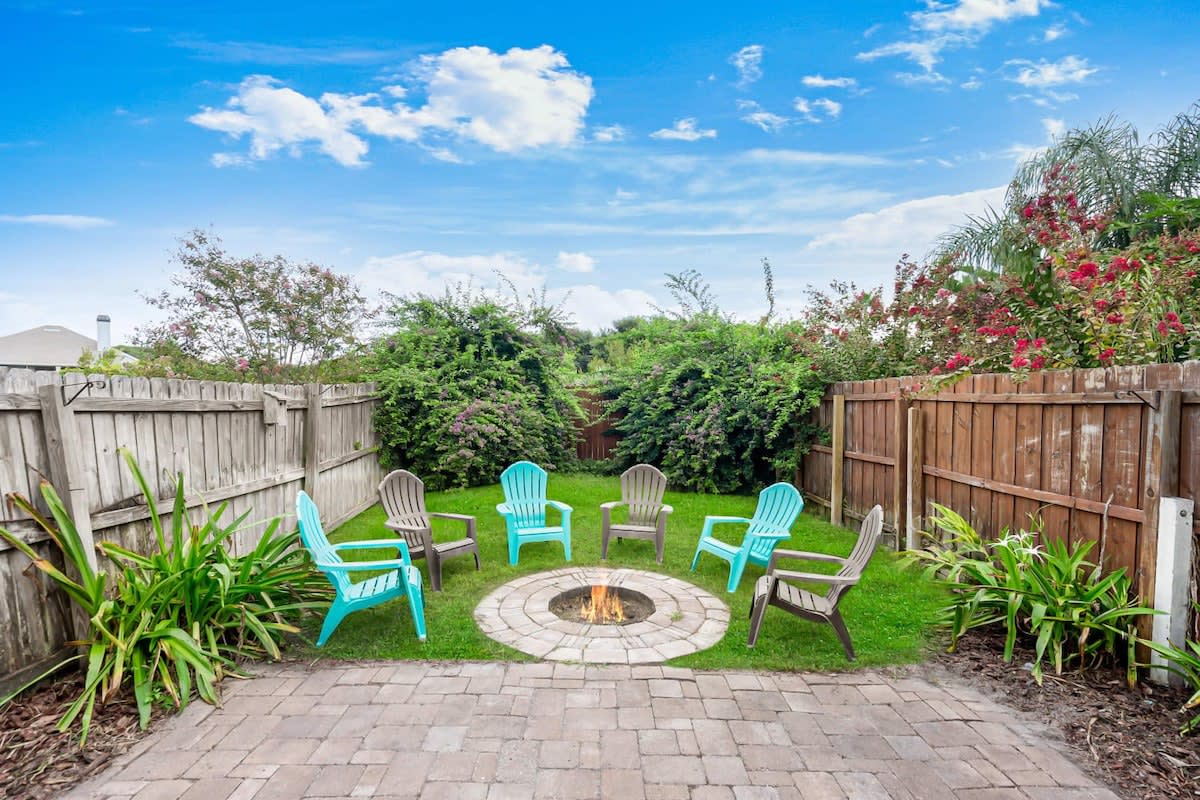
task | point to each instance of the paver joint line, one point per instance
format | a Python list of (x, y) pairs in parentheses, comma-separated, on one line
[(576, 731)]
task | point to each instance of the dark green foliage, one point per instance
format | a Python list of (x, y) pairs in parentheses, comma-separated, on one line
[(1047, 593), (468, 386), (715, 404)]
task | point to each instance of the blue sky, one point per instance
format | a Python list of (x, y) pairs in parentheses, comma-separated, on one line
[(586, 150)]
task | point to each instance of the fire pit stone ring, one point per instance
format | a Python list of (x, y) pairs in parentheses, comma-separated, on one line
[(685, 619)]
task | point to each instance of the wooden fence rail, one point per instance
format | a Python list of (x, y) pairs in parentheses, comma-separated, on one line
[(1089, 452), (251, 446)]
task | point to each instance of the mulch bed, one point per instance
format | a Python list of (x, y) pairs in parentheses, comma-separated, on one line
[(1128, 738), (36, 761)]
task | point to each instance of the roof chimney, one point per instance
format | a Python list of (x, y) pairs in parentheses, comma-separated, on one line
[(103, 334)]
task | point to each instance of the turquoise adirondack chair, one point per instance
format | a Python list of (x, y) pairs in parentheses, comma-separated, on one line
[(778, 507), (524, 510), (401, 580)]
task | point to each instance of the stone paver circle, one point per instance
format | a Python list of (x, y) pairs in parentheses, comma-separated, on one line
[(686, 618)]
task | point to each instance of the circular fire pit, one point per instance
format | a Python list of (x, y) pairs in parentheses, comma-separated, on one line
[(679, 618), (600, 605)]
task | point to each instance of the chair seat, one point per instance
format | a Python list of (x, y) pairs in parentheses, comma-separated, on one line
[(445, 548), (717, 547), (626, 528), (799, 599), (387, 582), (539, 531)]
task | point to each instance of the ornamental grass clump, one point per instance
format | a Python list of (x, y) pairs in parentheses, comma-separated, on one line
[(1046, 593), (172, 623)]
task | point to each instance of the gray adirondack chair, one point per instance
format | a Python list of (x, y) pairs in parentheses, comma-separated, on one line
[(772, 590), (403, 496), (642, 488)]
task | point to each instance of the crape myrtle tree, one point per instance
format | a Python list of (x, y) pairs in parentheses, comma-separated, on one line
[(257, 317)]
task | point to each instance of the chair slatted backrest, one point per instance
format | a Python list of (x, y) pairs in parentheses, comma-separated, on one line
[(403, 497), (778, 507), (642, 488), (312, 534), (864, 548), (524, 485)]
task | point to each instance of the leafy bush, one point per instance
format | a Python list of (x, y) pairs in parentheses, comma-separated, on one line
[(1184, 662), (1048, 594), (716, 404), (177, 620), (468, 387)]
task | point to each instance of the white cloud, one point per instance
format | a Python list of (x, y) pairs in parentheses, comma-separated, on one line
[(821, 82), (950, 25), (748, 63), (819, 110), (926, 54), (508, 102), (756, 115), (813, 158), (832, 108), (909, 227), (685, 130), (609, 133), (1055, 128), (1053, 33), (429, 273), (971, 84), (76, 222), (1044, 74), (973, 16), (575, 262)]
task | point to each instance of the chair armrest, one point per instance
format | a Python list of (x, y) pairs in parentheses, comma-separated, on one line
[(815, 577), (563, 507), (410, 524), (613, 504), (666, 509), (360, 566), (779, 555), (467, 518), (503, 508), (400, 544), (720, 520)]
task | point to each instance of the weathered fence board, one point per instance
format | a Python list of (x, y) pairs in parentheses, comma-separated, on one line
[(1089, 452), (217, 434), (595, 440)]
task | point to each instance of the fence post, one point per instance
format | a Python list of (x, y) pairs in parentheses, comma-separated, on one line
[(1161, 470), (836, 488), (64, 451), (916, 478), (312, 439), (1172, 589), (899, 424)]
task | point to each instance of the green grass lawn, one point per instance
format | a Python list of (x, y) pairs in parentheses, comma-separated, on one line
[(889, 614)]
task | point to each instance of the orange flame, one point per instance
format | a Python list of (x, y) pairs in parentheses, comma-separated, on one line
[(604, 607)]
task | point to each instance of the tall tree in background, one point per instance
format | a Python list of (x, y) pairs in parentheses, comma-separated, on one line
[(260, 316)]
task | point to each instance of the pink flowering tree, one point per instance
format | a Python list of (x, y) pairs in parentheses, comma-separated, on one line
[(262, 318)]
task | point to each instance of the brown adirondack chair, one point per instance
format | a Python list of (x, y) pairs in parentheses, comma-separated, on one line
[(403, 498), (642, 488), (771, 590)]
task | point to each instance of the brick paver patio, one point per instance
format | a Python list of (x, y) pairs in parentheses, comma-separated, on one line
[(518, 731)]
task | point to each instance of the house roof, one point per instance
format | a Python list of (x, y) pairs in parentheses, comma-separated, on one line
[(45, 346)]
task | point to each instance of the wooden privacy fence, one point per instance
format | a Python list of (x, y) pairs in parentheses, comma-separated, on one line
[(1090, 451), (597, 438), (250, 445)]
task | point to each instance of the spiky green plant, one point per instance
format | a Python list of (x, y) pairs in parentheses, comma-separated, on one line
[(173, 622)]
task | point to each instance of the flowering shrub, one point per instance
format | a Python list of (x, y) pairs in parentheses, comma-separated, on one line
[(717, 405), (466, 392)]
